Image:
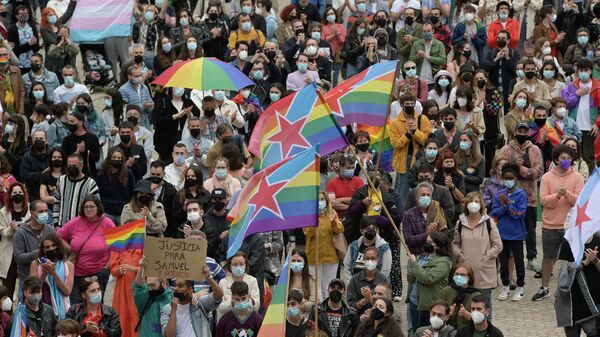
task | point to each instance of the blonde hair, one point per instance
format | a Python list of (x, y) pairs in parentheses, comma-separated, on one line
[(470, 197)]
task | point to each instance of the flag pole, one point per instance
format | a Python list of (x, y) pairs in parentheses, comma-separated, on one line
[(387, 116), (387, 213), (316, 304), (287, 289)]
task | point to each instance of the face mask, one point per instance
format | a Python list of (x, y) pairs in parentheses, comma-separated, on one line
[(436, 322), (52, 19), (9, 128), (520, 73), (167, 47), (95, 298), (192, 45), (335, 296), (23, 18), (427, 36), (467, 54), (258, 11), (424, 201), (501, 43), (546, 51), (311, 50), (348, 173), (246, 26), (125, 139), (69, 81), (221, 173), (178, 92), (509, 184), (73, 171), (521, 103), (428, 248), (460, 280), (238, 271), (540, 122), (322, 206), (370, 234), (316, 35), (108, 103), (156, 292), (469, 17), (72, 127), (155, 180), (242, 305), (582, 40), (473, 207), (247, 9), (17, 198), (444, 82), (521, 139), (411, 73), (245, 93), (449, 125), (193, 216), (561, 112), (409, 20), (361, 7), (530, 74), (434, 19), (377, 314), (184, 21), (565, 164), (39, 145), (220, 95), (180, 296), (190, 182), (293, 311), (213, 16), (297, 267), (465, 146), (382, 41), (34, 299), (210, 113), (467, 78), (503, 16), (179, 160), (477, 317), (195, 133), (448, 170), (360, 31), (331, 18), (56, 163), (302, 67), (274, 96), (431, 153), (461, 101), (36, 66), (159, 3), (116, 163), (370, 265), (7, 304), (548, 74), (257, 75), (218, 205), (149, 16), (364, 147), (481, 84), (143, 199), (583, 75), (42, 218), (52, 254), (553, 18)]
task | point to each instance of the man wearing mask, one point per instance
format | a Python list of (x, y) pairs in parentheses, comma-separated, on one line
[(239, 54), (537, 90), (506, 23), (217, 225), (149, 297), (317, 58), (242, 318), (134, 153), (175, 318), (306, 73), (479, 325), (69, 91), (195, 218), (175, 172), (27, 238), (336, 318), (341, 188), (40, 74), (229, 109), (448, 132), (135, 92), (293, 44), (164, 193), (428, 53), (529, 159), (34, 162), (198, 143), (354, 261), (71, 189), (315, 30), (82, 142), (139, 133), (137, 59), (440, 193), (440, 30), (255, 37), (36, 310), (439, 327), (501, 64), (262, 72), (410, 33), (210, 119)]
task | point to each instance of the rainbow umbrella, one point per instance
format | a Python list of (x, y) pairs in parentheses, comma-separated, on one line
[(204, 73)]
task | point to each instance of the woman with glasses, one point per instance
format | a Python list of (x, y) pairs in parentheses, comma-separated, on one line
[(94, 318), (85, 236)]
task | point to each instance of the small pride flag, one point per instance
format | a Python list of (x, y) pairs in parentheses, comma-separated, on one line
[(130, 236)]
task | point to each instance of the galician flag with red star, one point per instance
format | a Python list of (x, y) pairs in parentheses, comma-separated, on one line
[(584, 219), (280, 197), (293, 124)]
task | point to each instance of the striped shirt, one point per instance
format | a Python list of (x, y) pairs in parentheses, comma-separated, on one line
[(68, 197)]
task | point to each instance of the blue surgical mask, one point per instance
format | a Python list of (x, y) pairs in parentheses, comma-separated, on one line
[(411, 73), (460, 280), (238, 270), (548, 74), (293, 311), (180, 160), (297, 267), (583, 75), (159, 3), (9, 128), (431, 153), (302, 67), (38, 94), (316, 35), (221, 173), (521, 103), (178, 92), (465, 146), (246, 26), (42, 218), (509, 183), (69, 81), (149, 16), (219, 95), (349, 173), (274, 96), (52, 19), (331, 18), (360, 31), (582, 40), (108, 102), (322, 206), (424, 201), (444, 82), (247, 9), (242, 305), (258, 75), (96, 298), (184, 21), (167, 47), (192, 45), (553, 18), (503, 16), (520, 73), (361, 7)]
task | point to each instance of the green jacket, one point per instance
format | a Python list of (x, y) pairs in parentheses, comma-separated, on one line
[(46, 325), (430, 279), (150, 324), (437, 55), (404, 47), (448, 295)]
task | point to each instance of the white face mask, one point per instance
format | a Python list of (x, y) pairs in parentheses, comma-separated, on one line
[(193, 216), (473, 207), (370, 265), (546, 51), (311, 50), (7, 304), (436, 322), (461, 101), (477, 317), (243, 55), (561, 112)]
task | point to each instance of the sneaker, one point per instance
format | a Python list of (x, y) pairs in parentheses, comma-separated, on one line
[(541, 294), (503, 296), (533, 265), (512, 285), (538, 274), (518, 295)]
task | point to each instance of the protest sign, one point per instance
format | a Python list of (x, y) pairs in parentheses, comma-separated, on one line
[(175, 258)]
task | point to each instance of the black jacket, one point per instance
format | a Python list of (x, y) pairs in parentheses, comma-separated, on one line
[(166, 197), (168, 130), (46, 323), (140, 167), (214, 225), (469, 331), (506, 66), (14, 156), (32, 167), (215, 46), (109, 323), (348, 322), (91, 153)]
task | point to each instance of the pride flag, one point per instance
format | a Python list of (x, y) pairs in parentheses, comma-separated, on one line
[(365, 97), (387, 152), (95, 20), (273, 324), (280, 197), (295, 123), (19, 325), (129, 236)]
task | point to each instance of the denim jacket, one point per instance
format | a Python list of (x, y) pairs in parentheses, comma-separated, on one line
[(570, 128)]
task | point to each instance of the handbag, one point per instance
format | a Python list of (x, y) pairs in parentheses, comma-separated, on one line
[(74, 256), (340, 244)]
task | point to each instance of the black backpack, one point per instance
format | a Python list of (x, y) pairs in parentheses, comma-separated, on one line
[(488, 224)]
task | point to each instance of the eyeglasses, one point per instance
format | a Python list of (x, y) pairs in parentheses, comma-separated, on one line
[(91, 279), (410, 68)]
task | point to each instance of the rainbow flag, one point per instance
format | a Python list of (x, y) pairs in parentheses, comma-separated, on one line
[(387, 152), (129, 236), (273, 324), (95, 20), (553, 134), (19, 325), (365, 97), (295, 123), (280, 197)]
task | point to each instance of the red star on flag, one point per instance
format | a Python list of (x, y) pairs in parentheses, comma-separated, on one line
[(264, 197), (581, 215), (289, 135)]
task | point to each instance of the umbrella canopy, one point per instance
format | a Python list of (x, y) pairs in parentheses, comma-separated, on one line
[(204, 73)]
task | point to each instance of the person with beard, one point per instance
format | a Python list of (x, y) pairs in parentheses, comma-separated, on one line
[(336, 317), (71, 190), (34, 163), (438, 318), (40, 74), (27, 238), (216, 224), (82, 143), (143, 206), (141, 134), (57, 273), (134, 156), (149, 297), (381, 322), (115, 182)]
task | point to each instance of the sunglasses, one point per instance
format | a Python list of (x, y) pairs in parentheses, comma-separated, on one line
[(410, 68)]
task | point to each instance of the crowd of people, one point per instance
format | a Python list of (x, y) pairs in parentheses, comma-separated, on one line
[(493, 123)]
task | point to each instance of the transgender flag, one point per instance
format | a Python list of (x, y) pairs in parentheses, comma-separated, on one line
[(95, 20)]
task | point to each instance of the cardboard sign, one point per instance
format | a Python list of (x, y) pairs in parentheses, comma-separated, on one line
[(175, 258)]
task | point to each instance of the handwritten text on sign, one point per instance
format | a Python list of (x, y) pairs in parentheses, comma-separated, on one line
[(175, 258)]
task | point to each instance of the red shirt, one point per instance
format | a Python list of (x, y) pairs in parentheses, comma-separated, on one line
[(89, 317), (343, 188)]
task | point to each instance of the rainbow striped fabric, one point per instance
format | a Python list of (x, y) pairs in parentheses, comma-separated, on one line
[(129, 236), (280, 197), (365, 97), (273, 324), (95, 20), (387, 152), (19, 325), (293, 124)]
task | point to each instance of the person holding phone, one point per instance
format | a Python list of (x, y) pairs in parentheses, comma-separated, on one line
[(143, 206)]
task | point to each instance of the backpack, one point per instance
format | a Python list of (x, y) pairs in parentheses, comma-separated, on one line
[(488, 224)]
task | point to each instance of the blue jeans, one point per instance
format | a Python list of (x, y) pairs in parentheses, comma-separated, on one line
[(412, 317)]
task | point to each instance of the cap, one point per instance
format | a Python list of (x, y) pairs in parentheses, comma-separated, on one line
[(338, 282), (522, 125), (143, 186), (218, 193), (467, 67)]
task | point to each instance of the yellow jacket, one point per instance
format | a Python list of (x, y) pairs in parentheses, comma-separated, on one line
[(326, 230), (401, 142), (253, 35)]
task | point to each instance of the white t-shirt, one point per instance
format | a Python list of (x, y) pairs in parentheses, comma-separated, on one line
[(584, 120), (426, 71), (184, 322)]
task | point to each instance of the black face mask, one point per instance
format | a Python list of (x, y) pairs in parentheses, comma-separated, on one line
[(335, 296), (36, 66), (409, 109), (271, 54), (424, 179), (299, 31), (82, 108), (364, 147), (133, 120), (449, 125), (427, 248), (213, 16), (17, 198), (370, 234), (409, 20), (501, 43), (155, 180), (540, 122), (138, 59), (226, 140), (72, 127), (116, 163), (52, 254), (530, 74), (218, 206), (292, 18), (209, 113), (521, 139), (39, 145), (195, 133), (156, 292), (434, 19), (56, 163), (179, 296), (73, 171), (4, 14), (467, 53), (448, 169), (381, 22), (377, 314), (481, 84), (467, 77), (125, 139), (143, 199), (191, 182)]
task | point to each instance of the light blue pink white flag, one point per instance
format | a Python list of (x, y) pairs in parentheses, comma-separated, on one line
[(95, 20)]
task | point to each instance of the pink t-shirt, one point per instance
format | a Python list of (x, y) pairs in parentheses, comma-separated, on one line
[(94, 256)]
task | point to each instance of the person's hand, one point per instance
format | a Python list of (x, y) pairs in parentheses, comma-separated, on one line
[(463, 312), (113, 130), (143, 261), (148, 105), (174, 303), (14, 225), (187, 230), (312, 66), (224, 235), (466, 36), (561, 191), (421, 54), (307, 79), (145, 211), (81, 147), (267, 246), (411, 125), (520, 161), (92, 327), (499, 55), (590, 255), (582, 91), (130, 161), (48, 267), (503, 199), (448, 181), (303, 18), (367, 201), (366, 293), (433, 226), (365, 315), (594, 131), (532, 96), (216, 32), (408, 38), (332, 216), (300, 39), (411, 258), (560, 37), (206, 272), (32, 40)]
